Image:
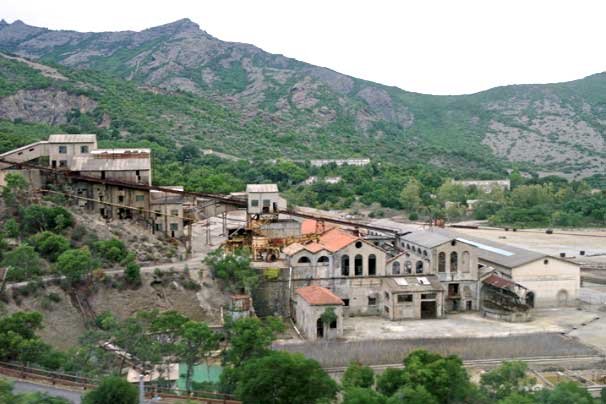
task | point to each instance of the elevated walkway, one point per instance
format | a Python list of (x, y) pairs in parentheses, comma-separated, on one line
[(25, 153)]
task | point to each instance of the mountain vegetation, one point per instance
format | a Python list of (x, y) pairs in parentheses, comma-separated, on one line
[(176, 82)]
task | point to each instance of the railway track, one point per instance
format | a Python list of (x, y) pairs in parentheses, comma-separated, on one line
[(536, 360)]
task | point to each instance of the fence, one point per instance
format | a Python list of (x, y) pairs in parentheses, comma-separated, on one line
[(85, 383)]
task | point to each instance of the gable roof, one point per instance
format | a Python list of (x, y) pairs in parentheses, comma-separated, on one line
[(261, 188), (319, 296), (65, 138), (335, 239), (427, 238)]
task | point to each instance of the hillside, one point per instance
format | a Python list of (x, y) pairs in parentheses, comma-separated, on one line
[(179, 84)]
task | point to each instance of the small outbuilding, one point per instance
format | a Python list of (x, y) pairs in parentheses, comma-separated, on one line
[(318, 313)]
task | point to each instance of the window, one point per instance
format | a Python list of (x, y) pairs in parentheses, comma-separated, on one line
[(254, 203), (395, 268), (408, 267), (442, 262), (120, 198), (454, 262), (83, 149), (158, 227), (345, 265), (140, 198), (372, 265), (102, 175), (428, 296), (453, 243), (546, 262), (419, 267), (358, 244), (345, 302), (386, 295), (404, 298), (372, 301), (425, 253), (174, 212), (266, 203), (62, 149), (386, 309), (174, 226), (465, 261), (62, 163), (303, 260), (323, 260), (358, 265), (408, 246), (333, 324)]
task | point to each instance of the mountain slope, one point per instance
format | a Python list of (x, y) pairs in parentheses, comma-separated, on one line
[(290, 108)]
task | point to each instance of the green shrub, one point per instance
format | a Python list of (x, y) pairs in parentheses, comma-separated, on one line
[(37, 218), (49, 245), (112, 250), (132, 274), (24, 263)]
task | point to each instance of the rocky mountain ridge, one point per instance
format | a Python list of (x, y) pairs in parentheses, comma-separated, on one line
[(555, 128)]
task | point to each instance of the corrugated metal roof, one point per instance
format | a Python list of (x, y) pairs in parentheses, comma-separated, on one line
[(497, 253), (67, 138), (261, 188), (427, 239), (318, 296), (120, 151), (498, 282), (87, 163)]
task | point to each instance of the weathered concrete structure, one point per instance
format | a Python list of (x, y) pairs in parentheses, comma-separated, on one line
[(310, 305)]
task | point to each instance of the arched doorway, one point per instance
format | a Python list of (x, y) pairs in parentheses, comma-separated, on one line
[(562, 298), (530, 299)]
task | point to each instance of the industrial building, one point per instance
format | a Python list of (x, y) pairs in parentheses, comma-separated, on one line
[(80, 158)]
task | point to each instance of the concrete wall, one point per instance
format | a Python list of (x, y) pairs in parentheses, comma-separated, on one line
[(259, 197), (72, 150), (131, 176), (307, 317), (555, 283)]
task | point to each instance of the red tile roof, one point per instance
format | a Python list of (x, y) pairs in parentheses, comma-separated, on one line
[(311, 226), (318, 296), (335, 239)]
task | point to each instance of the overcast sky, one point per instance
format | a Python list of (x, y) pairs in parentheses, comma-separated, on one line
[(428, 46)]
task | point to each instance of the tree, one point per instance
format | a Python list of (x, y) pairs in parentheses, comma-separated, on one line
[(196, 343), (76, 264), (250, 338), (565, 393), (49, 245), (24, 263), (508, 378), (360, 395), (357, 375), (444, 377), (18, 339), (11, 228), (37, 218), (233, 269), (132, 273), (410, 197), (284, 378), (390, 381), (13, 191), (7, 396), (114, 390), (518, 398), (450, 191), (413, 395)]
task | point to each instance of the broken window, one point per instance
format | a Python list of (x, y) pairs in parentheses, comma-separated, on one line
[(419, 267), (442, 262), (62, 149), (372, 265), (333, 324), (303, 260), (345, 265), (83, 149), (404, 298), (358, 265), (346, 302), (372, 301), (454, 261), (395, 268)]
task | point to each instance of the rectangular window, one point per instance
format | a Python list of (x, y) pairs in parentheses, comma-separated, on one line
[(174, 226), (386, 295), (372, 301), (83, 149), (428, 296), (120, 199), (404, 298), (62, 163), (62, 149), (254, 203), (174, 212), (140, 198), (346, 302), (158, 227), (266, 203)]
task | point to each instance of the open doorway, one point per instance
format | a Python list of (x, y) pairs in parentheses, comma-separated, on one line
[(428, 309), (320, 328), (530, 299)]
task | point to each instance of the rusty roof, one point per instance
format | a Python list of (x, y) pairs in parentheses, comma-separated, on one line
[(319, 296), (498, 282)]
